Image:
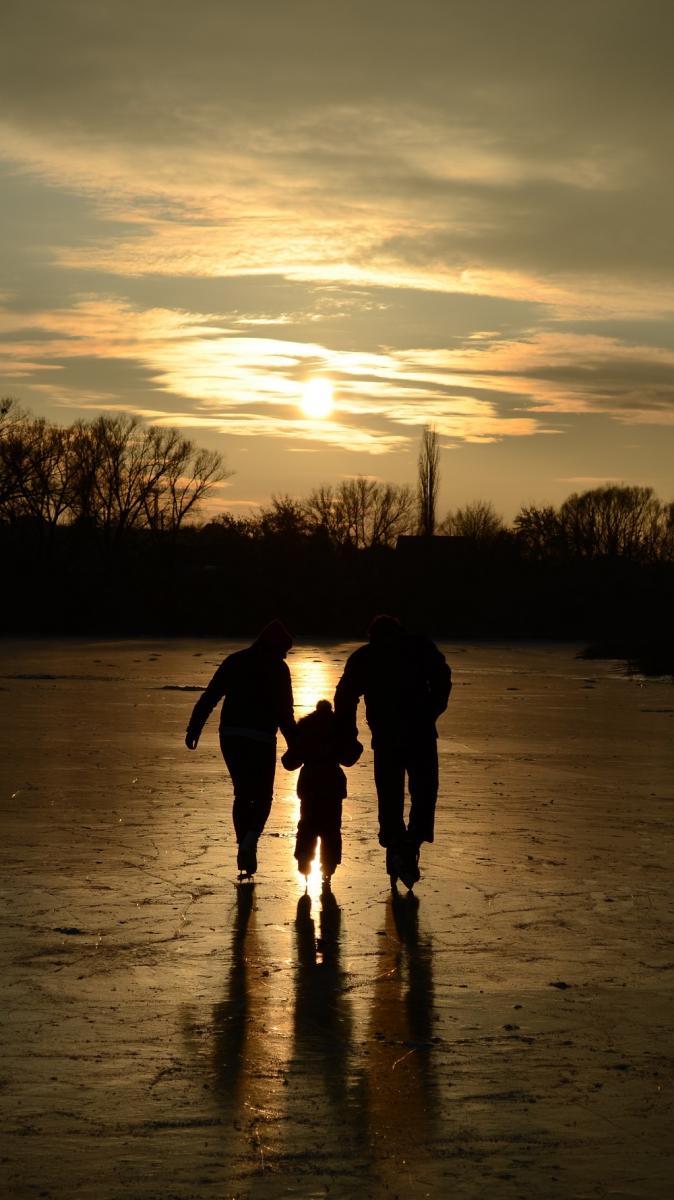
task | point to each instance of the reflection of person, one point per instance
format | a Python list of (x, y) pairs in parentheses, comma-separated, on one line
[(230, 1016), (323, 1025), (321, 786), (401, 1100), (406, 685), (258, 700)]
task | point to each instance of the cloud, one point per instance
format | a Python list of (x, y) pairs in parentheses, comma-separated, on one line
[(572, 373), (589, 481), (246, 385), (485, 388), (461, 212), (472, 145), (160, 69)]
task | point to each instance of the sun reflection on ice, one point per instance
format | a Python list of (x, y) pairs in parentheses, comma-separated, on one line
[(313, 680), (314, 881)]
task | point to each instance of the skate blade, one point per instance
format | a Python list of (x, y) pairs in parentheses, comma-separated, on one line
[(409, 880)]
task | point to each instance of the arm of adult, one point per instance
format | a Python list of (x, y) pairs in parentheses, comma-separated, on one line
[(347, 694), (292, 759), (439, 675), (286, 720), (350, 752), (205, 705)]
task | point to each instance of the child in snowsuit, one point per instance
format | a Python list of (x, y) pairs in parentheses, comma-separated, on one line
[(321, 787)]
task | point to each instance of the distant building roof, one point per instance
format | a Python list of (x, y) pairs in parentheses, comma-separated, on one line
[(437, 544)]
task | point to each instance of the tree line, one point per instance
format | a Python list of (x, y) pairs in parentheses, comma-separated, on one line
[(111, 474), (615, 520), (117, 477), (102, 530)]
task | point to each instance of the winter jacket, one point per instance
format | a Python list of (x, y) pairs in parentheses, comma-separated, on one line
[(258, 696), (318, 749), (406, 683)]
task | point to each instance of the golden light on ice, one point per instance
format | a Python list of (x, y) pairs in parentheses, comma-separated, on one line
[(315, 878), (317, 397)]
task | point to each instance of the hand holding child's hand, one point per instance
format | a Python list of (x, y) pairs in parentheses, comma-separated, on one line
[(291, 759), (351, 752)]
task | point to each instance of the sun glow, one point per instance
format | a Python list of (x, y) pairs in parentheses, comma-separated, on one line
[(317, 397)]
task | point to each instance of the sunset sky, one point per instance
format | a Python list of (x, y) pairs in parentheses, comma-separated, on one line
[(452, 212)]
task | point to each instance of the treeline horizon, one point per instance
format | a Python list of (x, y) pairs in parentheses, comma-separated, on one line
[(98, 534)]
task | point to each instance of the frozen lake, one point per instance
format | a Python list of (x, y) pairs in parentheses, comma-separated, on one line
[(169, 1033)]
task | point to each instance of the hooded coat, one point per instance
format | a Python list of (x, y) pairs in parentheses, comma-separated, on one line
[(255, 687), (405, 682)]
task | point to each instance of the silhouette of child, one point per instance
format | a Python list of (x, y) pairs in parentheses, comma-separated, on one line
[(318, 749)]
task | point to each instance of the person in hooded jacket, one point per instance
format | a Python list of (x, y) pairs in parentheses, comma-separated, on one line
[(256, 690), (321, 786), (406, 683)]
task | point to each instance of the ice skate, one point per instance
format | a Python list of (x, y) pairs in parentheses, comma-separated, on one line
[(409, 872), (304, 865), (328, 866), (246, 859), (394, 864)]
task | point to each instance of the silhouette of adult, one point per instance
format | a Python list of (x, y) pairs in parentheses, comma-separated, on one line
[(406, 683), (258, 700)]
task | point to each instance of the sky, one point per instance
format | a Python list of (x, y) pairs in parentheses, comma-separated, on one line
[(454, 213)]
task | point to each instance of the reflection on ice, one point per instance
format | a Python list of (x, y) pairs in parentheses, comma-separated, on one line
[(230, 1016), (321, 1060), (226, 1041), (400, 1092), (314, 882), (313, 680)]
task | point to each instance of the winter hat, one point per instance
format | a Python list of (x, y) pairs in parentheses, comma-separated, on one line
[(384, 626), (275, 635)]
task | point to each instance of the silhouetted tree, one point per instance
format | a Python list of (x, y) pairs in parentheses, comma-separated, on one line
[(122, 472), (477, 521), (284, 518), (361, 513), (667, 542), (112, 474), (11, 418), (613, 521), (327, 515), (392, 514), (10, 413), (539, 531), (190, 474), (601, 564), (428, 482), (244, 528), (36, 470), (373, 513), (131, 477)]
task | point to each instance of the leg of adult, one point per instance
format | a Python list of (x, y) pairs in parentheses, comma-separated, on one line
[(422, 769), (389, 778), (252, 765)]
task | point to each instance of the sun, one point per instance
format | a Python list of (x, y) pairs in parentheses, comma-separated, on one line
[(317, 397)]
